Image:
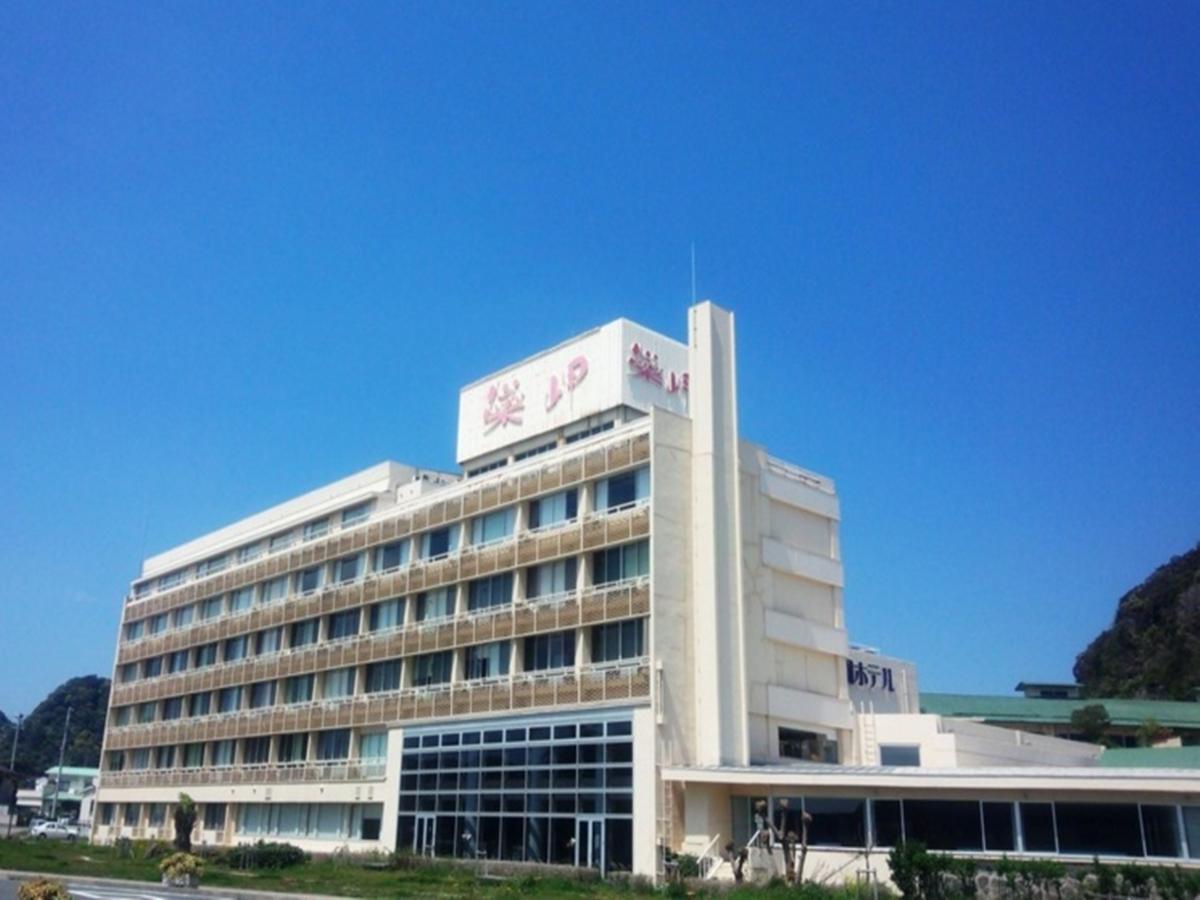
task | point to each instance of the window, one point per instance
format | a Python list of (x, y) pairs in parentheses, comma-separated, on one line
[(293, 747), (164, 757), (621, 563), (140, 759), (334, 744), (262, 694), (116, 760), (1161, 828), (210, 608), (256, 750), (214, 816), (242, 599), (211, 566), (178, 661), (157, 624), (588, 432), (308, 580), (229, 699), (551, 579), (807, 745), (626, 489), (383, 676), (200, 704), (129, 672), (277, 588), (156, 814), (133, 630), (236, 648), (145, 712), (1091, 829), (269, 640), (206, 655), (432, 668), (534, 451), (343, 625), (106, 813), (560, 507), (888, 830), (304, 633), (550, 651), (432, 605), (193, 756), (373, 746), (899, 754), (488, 660), (944, 824), (133, 814), (493, 526), (836, 822), (439, 542), (487, 592), (316, 528), (387, 615), (142, 589), (392, 556), (170, 580), (488, 467), (337, 683), (1037, 826), (172, 708), (347, 569), (250, 552), (184, 615), (618, 640), (152, 667), (298, 689), (223, 753), (120, 716), (360, 512), (281, 542), (998, 830)]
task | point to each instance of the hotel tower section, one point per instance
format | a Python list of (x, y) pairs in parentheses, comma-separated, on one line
[(502, 661)]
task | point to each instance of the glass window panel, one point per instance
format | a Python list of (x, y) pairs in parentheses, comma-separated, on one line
[(241, 599), (434, 605), (1160, 825), (383, 676), (488, 660), (337, 683), (1037, 827), (304, 633), (944, 824), (432, 668), (343, 625), (495, 590), (998, 831), (392, 556), (1098, 828), (837, 822), (387, 615)]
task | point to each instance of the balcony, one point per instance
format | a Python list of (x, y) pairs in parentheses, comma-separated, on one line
[(616, 451), (603, 683), (255, 773)]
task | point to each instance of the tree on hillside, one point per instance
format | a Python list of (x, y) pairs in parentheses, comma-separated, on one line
[(42, 729), (1091, 722)]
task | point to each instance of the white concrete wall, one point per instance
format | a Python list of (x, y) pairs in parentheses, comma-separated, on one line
[(955, 743)]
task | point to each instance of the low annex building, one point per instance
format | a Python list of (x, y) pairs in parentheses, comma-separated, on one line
[(619, 630)]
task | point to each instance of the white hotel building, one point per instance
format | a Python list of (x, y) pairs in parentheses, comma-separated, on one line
[(618, 630)]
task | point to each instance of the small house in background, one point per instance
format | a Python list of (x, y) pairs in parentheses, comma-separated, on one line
[(76, 787)]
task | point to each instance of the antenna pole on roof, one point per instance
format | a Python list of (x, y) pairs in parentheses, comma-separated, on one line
[(693, 273)]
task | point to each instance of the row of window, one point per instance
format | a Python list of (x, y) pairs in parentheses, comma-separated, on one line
[(314, 821), (212, 817), (1077, 829), (611, 642), (330, 745), (613, 493), (609, 566), (309, 531), (539, 449)]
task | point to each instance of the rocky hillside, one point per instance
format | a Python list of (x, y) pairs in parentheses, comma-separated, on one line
[(42, 730), (1152, 649)]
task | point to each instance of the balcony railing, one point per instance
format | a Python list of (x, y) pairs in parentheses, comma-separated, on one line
[(603, 683), (619, 600), (250, 773), (613, 452)]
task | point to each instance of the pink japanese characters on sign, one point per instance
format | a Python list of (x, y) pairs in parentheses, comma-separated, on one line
[(505, 405), (577, 370), (643, 363)]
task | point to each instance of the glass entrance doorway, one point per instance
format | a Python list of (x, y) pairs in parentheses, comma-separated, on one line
[(424, 834), (589, 842)]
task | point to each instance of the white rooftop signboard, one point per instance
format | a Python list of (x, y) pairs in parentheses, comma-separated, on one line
[(620, 363)]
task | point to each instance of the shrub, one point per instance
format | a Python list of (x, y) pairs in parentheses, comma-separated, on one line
[(264, 855), (181, 865), (43, 889), (689, 865), (124, 848)]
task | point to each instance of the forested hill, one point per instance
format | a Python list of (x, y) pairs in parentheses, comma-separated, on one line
[(1152, 649), (42, 730)]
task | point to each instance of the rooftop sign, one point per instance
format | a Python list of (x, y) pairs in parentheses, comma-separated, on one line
[(620, 363)]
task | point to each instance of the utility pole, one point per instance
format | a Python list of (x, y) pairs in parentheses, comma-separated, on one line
[(62, 751), (12, 767)]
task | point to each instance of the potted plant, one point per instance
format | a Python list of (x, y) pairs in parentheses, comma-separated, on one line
[(181, 870)]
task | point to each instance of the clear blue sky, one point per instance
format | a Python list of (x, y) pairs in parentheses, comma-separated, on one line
[(246, 249)]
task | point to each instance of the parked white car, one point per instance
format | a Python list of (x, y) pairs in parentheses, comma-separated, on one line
[(57, 831)]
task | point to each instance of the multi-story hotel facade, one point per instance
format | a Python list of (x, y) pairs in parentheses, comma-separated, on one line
[(619, 629)]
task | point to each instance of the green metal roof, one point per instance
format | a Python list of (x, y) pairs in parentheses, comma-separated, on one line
[(991, 708), (1151, 758)]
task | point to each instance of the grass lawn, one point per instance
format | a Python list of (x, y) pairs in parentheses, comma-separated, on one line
[(82, 860)]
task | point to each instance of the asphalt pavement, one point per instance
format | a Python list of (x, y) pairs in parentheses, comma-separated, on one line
[(91, 890)]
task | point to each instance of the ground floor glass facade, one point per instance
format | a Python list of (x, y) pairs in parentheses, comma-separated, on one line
[(539, 789)]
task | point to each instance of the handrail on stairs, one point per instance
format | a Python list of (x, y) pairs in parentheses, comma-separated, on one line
[(708, 861)]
